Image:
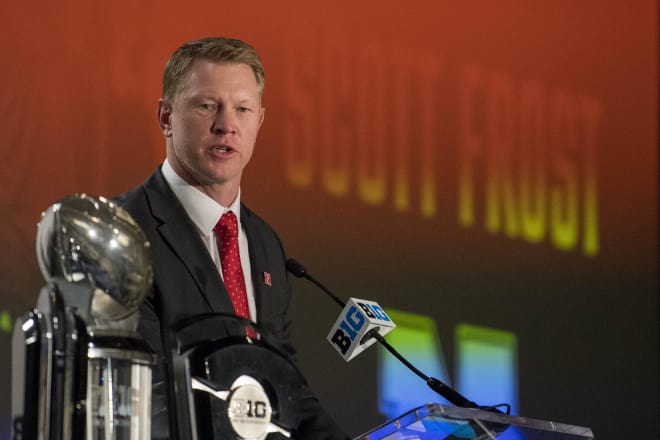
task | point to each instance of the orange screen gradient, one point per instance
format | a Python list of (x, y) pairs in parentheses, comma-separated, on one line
[(482, 163)]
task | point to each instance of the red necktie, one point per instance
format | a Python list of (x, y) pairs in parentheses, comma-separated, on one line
[(226, 235)]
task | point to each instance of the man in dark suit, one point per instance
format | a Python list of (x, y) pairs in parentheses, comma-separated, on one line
[(210, 115)]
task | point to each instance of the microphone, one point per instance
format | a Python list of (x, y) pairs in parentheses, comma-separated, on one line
[(374, 333)]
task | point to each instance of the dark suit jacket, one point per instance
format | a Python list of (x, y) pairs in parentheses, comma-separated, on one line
[(187, 283)]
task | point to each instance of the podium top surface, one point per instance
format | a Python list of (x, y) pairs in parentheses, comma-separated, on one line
[(434, 421)]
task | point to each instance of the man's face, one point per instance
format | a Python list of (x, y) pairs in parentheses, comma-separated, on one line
[(212, 124)]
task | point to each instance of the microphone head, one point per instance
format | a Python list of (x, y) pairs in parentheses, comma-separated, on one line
[(296, 268), (357, 327)]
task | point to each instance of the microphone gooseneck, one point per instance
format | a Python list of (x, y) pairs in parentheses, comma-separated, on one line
[(444, 390), (297, 269)]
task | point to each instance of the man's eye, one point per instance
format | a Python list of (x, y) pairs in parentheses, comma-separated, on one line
[(206, 106), (244, 109)]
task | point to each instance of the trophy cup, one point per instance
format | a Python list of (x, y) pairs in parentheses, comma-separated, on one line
[(80, 371)]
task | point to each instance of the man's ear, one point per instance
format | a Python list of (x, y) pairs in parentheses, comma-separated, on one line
[(165, 117)]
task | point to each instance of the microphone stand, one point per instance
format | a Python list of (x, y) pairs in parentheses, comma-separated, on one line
[(444, 390)]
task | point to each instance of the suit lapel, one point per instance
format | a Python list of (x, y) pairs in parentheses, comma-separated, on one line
[(258, 263), (178, 231)]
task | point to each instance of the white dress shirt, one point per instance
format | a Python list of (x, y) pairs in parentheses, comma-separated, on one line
[(205, 214)]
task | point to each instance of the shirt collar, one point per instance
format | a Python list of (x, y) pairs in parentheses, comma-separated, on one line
[(202, 209)]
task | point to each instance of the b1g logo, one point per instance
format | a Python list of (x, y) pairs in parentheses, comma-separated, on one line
[(348, 330), (373, 310), (248, 409), (358, 318)]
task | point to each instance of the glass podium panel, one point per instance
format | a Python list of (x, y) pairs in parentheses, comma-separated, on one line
[(433, 421)]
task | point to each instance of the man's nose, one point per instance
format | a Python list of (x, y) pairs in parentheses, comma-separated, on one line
[(225, 122)]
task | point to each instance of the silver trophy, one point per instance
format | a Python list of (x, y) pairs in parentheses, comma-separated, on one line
[(80, 370)]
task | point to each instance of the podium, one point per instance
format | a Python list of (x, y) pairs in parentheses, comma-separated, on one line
[(434, 421)]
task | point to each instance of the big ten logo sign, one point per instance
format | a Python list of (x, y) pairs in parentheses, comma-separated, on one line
[(350, 335), (249, 409), (246, 408)]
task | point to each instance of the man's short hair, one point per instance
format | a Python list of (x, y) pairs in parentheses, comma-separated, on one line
[(215, 50)]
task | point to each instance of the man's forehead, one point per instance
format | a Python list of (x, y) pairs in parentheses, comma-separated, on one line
[(199, 66)]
